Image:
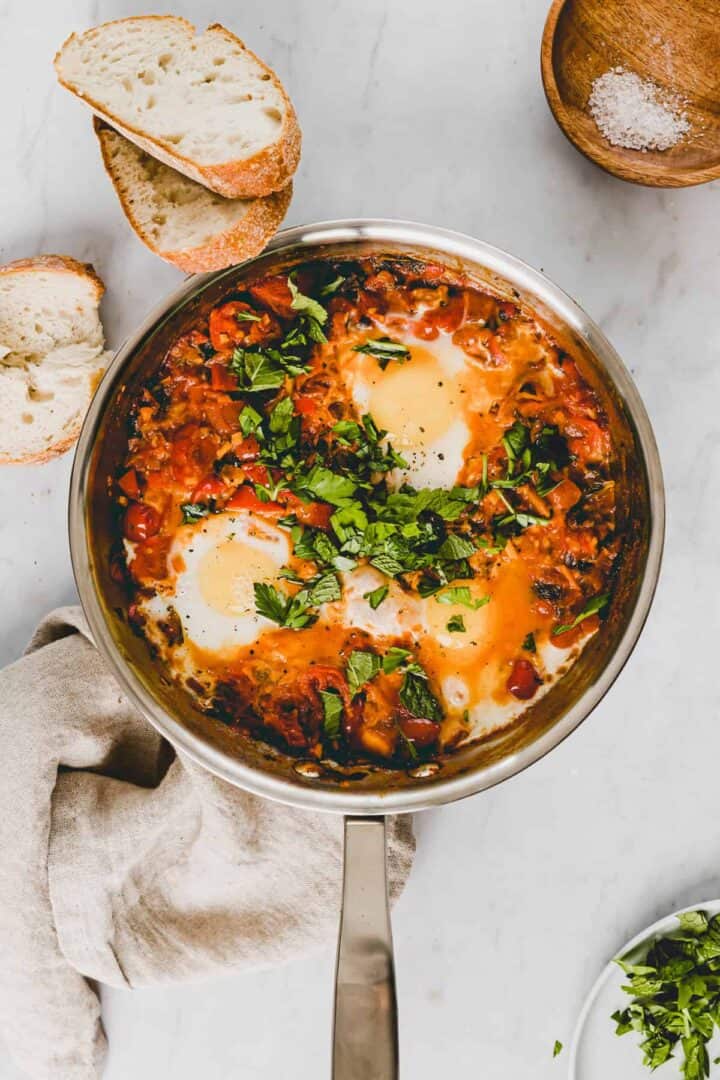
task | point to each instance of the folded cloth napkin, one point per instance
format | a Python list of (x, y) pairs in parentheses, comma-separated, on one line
[(124, 862)]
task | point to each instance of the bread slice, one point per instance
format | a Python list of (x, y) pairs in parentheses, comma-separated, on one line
[(202, 103), (51, 354), (180, 220)]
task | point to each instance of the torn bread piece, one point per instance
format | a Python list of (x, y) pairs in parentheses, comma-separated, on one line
[(51, 354)]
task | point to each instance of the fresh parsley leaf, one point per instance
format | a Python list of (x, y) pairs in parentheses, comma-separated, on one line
[(384, 349), (361, 668), (597, 603), (332, 712), (417, 698), (193, 512), (456, 625), (460, 594), (529, 643), (270, 603), (250, 421), (305, 304), (292, 612), (376, 597), (557, 1048)]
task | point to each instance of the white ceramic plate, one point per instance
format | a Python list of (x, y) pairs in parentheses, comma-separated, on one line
[(597, 1053)]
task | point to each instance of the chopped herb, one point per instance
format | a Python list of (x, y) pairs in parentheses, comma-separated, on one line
[(292, 612), (193, 512), (256, 371), (384, 350), (332, 712), (325, 590), (376, 597), (416, 696), (409, 745), (596, 604), (247, 316), (332, 286), (675, 990), (361, 668), (460, 594), (315, 312), (456, 625), (394, 658), (557, 1048), (281, 416), (456, 547), (250, 421), (529, 643), (323, 483)]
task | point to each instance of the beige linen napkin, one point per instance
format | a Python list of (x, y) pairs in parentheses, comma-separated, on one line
[(126, 863)]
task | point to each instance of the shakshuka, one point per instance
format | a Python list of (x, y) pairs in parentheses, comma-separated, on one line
[(366, 511)]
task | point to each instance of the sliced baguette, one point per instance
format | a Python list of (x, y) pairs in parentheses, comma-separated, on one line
[(202, 103), (51, 354), (180, 220)]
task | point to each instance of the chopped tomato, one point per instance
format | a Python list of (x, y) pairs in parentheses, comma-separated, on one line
[(274, 293), (129, 483), (209, 488), (141, 522), (315, 514), (420, 731), (523, 680), (256, 474), (246, 499), (193, 452), (221, 378), (247, 450), (305, 405), (228, 328)]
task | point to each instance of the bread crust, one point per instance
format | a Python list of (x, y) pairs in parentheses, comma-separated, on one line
[(245, 240), (58, 264), (267, 171)]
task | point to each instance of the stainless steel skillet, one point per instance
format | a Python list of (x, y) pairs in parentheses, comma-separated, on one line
[(365, 1040)]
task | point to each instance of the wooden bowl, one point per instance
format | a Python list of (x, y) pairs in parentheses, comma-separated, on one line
[(674, 44)]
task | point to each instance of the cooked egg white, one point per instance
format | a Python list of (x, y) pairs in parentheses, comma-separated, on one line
[(216, 564), (420, 403)]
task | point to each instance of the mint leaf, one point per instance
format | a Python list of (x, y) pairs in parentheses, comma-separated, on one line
[(529, 643), (332, 286), (325, 590), (417, 698), (557, 1048), (324, 484), (456, 625), (247, 316), (361, 668), (332, 712), (456, 547), (305, 304)]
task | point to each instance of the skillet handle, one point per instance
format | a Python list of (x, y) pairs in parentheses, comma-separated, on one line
[(365, 1038)]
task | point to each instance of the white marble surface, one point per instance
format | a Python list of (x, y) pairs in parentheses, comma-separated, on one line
[(434, 112)]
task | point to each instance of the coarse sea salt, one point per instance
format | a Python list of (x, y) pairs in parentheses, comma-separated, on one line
[(635, 112)]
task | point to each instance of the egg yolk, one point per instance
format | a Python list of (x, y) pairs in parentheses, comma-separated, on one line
[(227, 573), (416, 402)]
